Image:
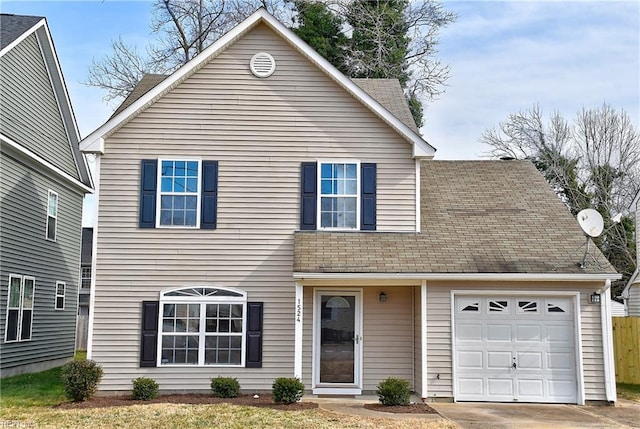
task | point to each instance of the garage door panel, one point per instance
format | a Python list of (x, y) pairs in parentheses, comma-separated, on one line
[(470, 386), (556, 360), (469, 332), (498, 332), (500, 387), (530, 388), (470, 360), (535, 333), (498, 360), (529, 360), (528, 333)]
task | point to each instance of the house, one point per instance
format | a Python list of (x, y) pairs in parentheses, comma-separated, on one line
[(42, 185), (631, 292), (85, 271), (260, 215)]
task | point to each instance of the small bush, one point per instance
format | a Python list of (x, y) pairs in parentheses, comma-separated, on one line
[(225, 387), (394, 391), (80, 379), (287, 390), (144, 389)]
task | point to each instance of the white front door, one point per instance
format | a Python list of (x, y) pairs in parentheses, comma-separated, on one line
[(337, 341), (511, 349)]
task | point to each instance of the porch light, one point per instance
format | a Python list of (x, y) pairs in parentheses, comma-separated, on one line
[(594, 298), (382, 297)]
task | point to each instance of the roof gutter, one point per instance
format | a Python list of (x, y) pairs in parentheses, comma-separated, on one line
[(556, 277)]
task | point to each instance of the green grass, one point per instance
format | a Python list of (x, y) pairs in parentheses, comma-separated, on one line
[(629, 391), (32, 390)]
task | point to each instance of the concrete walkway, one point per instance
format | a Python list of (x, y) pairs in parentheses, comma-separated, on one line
[(355, 407)]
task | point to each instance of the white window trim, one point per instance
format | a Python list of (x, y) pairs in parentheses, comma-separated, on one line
[(82, 276), (64, 300), (20, 308), (55, 216), (319, 196), (203, 300), (159, 192)]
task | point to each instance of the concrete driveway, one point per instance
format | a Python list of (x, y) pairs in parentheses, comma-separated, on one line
[(626, 414)]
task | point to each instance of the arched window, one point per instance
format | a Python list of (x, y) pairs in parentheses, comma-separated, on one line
[(202, 325)]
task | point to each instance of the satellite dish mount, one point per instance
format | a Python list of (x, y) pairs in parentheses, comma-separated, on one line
[(592, 224)]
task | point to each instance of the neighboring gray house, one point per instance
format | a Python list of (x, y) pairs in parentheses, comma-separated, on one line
[(85, 272), (631, 292), (261, 215), (42, 185)]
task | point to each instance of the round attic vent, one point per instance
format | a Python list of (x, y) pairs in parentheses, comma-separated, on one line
[(262, 64)]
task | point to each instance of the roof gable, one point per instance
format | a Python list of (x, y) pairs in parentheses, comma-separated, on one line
[(94, 143), (22, 35)]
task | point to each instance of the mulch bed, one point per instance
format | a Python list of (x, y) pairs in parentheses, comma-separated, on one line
[(264, 400), (417, 408)]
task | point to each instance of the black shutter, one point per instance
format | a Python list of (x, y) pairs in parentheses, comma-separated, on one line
[(149, 338), (368, 197), (209, 199), (148, 181), (308, 195), (254, 335)]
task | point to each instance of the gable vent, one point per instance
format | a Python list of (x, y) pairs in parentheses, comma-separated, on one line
[(262, 64)]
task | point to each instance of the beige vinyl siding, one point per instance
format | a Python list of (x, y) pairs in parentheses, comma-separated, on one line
[(439, 332), (259, 130), (29, 112), (388, 335)]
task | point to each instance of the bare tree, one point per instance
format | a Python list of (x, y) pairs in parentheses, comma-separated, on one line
[(182, 29), (594, 162)]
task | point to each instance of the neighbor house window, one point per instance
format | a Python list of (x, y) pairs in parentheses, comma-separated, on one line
[(338, 196), (86, 277), (179, 196), (52, 215), (60, 289), (202, 326), (19, 308)]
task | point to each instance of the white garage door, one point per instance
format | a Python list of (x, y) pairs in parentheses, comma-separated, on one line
[(515, 349)]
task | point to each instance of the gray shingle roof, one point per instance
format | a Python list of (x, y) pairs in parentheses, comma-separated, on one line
[(389, 93), (13, 26), (146, 84), (477, 217)]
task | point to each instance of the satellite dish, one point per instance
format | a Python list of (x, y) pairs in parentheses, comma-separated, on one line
[(591, 222)]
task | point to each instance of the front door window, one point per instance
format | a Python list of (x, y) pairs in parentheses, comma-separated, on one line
[(338, 338)]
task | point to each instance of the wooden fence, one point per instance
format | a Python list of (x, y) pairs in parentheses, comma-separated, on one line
[(82, 332), (626, 349)]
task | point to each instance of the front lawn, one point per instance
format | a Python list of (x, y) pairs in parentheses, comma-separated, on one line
[(30, 400)]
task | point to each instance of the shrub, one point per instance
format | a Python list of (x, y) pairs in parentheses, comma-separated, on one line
[(225, 387), (144, 389), (80, 379), (287, 390), (394, 391)]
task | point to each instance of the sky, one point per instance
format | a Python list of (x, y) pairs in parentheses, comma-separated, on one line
[(504, 58)]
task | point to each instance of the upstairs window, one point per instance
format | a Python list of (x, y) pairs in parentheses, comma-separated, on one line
[(86, 277), (19, 308), (338, 196), (52, 216), (60, 290), (179, 193)]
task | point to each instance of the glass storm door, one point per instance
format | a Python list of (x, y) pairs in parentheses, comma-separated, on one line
[(338, 338)]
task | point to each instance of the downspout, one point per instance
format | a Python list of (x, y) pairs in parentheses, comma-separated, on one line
[(94, 256), (607, 343)]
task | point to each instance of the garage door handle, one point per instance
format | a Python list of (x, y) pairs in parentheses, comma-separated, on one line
[(514, 365)]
